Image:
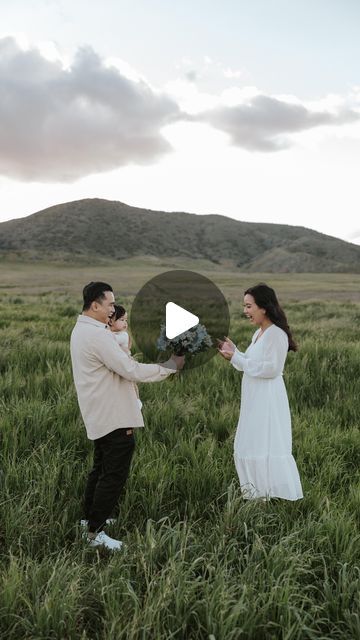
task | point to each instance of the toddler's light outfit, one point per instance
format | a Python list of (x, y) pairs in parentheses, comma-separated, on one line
[(122, 338)]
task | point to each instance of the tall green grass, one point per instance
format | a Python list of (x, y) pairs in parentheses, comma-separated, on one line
[(199, 562)]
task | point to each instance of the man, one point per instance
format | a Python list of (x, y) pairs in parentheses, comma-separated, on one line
[(104, 375)]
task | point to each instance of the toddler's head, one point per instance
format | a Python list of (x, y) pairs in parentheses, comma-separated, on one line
[(118, 321)]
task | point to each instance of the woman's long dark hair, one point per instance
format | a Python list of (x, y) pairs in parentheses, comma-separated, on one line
[(265, 298)]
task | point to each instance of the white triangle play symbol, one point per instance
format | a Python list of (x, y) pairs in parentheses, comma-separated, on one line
[(178, 320)]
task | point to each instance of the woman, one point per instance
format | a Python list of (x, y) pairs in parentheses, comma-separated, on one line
[(262, 447)]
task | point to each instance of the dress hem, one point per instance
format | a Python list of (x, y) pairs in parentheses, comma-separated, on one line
[(269, 477)]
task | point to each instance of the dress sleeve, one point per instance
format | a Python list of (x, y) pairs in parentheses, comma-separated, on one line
[(273, 360), (108, 353)]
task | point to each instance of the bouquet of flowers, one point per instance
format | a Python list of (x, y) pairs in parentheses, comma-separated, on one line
[(193, 341)]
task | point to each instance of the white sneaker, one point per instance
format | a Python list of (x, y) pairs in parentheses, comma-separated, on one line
[(84, 523), (103, 540)]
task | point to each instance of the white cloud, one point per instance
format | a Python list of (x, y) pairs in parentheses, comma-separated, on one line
[(233, 96), (61, 121), (189, 98), (59, 124), (124, 68), (264, 123), (354, 236), (234, 73)]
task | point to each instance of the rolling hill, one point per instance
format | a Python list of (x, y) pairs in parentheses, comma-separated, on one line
[(102, 229)]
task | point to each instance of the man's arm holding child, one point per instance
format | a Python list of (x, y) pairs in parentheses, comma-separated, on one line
[(115, 359)]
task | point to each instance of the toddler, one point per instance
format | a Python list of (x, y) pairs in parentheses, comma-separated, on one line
[(118, 325)]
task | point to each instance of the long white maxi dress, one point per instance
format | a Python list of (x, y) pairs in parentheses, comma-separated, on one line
[(263, 440)]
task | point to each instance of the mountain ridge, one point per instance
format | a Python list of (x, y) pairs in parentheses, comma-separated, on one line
[(99, 228)]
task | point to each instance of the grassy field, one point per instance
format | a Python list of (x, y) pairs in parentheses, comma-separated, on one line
[(199, 562), (127, 276)]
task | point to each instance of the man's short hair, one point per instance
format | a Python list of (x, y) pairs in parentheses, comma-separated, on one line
[(94, 291)]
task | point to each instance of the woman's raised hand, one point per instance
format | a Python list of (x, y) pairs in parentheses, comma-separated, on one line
[(226, 348)]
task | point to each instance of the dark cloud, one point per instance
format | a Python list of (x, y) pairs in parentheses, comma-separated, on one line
[(264, 123), (61, 124)]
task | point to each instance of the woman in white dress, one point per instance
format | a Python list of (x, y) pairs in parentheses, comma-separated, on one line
[(263, 441)]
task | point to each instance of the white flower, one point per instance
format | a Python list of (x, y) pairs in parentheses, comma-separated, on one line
[(193, 341)]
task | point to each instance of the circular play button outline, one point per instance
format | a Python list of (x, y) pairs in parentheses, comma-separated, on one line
[(187, 294)]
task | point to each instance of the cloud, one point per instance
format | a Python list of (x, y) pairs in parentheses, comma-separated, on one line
[(60, 124), (63, 121), (354, 236), (264, 123), (191, 76), (234, 73)]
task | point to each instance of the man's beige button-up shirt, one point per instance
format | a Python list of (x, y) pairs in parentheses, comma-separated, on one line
[(104, 376)]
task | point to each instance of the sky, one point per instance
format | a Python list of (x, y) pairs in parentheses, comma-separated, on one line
[(245, 108)]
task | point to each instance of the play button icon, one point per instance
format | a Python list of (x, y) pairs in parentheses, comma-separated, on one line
[(180, 312), (178, 320)]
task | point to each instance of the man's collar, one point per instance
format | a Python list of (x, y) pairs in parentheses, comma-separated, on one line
[(89, 320)]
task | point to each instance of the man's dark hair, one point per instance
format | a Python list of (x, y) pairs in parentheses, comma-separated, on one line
[(94, 291)]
